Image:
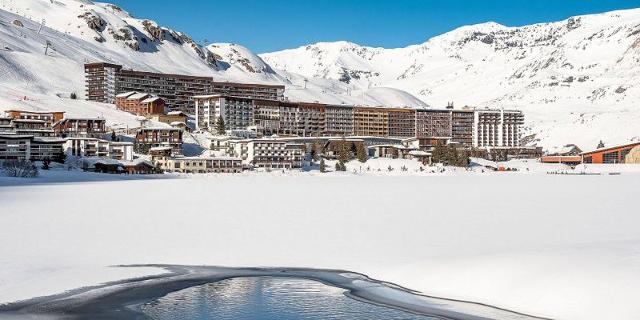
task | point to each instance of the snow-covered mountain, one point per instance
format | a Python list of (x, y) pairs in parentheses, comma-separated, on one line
[(575, 79), (34, 74)]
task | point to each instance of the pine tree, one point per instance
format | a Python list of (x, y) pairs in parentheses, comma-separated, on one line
[(73, 96), (221, 127), (343, 151), (323, 166), (600, 145), (361, 153), (113, 136)]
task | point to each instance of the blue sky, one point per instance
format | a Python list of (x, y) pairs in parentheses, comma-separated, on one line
[(270, 25)]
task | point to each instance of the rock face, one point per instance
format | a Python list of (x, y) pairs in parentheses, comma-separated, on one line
[(18, 23), (94, 21), (153, 30)]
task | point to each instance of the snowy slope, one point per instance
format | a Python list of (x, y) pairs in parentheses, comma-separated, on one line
[(84, 31), (575, 79), (554, 246)]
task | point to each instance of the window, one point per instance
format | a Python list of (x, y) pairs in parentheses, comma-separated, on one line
[(611, 157)]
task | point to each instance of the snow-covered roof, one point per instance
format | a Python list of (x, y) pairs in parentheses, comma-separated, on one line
[(151, 99), (121, 143), (176, 113), (126, 94), (29, 120), (136, 162), (419, 153), (160, 148), (178, 123), (138, 96)]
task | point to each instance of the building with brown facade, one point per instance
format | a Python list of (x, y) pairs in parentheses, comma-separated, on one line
[(140, 103), (48, 117), (402, 122), (433, 127), (462, 127), (371, 121), (338, 120), (104, 81), (81, 127), (248, 90), (147, 138)]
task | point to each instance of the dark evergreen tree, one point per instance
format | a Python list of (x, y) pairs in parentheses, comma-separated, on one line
[(343, 151), (600, 145), (361, 153), (323, 166), (73, 96), (114, 137), (221, 126)]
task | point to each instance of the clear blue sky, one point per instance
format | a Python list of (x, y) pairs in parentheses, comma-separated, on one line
[(270, 25)]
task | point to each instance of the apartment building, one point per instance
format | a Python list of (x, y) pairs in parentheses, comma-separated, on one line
[(462, 127), (5, 125), (100, 81), (160, 137), (35, 127), (238, 113), (287, 118), (310, 119), (268, 153), (267, 117), (140, 103), (248, 90), (28, 147), (433, 127), (104, 81), (338, 120), (497, 128), (170, 117), (199, 165), (402, 122), (371, 121), (81, 127), (47, 117), (92, 147)]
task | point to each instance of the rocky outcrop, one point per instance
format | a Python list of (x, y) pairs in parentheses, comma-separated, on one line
[(94, 21), (18, 23), (153, 30)]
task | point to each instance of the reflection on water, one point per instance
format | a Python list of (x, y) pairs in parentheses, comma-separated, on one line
[(267, 298)]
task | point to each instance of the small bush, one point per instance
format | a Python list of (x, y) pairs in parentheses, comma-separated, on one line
[(19, 169), (73, 96)]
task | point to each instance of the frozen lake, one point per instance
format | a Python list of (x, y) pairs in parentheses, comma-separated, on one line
[(268, 298)]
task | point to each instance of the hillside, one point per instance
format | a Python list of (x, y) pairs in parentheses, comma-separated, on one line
[(33, 76), (575, 79)]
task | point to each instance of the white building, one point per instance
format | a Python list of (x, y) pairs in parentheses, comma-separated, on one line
[(268, 153), (93, 147), (497, 128), (236, 112)]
